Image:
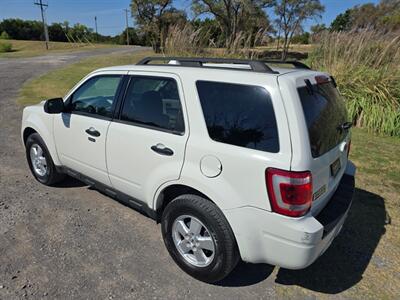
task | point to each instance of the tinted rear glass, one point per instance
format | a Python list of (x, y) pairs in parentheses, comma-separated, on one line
[(240, 115), (324, 110)]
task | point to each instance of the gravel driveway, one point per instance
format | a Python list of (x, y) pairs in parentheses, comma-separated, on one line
[(73, 242)]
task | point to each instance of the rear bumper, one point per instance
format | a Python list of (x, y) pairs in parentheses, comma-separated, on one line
[(293, 243)]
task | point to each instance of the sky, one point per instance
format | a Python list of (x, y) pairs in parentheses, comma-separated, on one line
[(111, 16)]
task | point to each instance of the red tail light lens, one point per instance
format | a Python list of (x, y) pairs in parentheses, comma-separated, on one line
[(290, 193), (320, 79)]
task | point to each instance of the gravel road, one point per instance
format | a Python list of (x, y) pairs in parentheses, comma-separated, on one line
[(73, 242)]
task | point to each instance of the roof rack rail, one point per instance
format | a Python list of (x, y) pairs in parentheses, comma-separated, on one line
[(255, 65), (295, 63)]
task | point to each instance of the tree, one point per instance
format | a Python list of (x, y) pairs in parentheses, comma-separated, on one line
[(211, 28), (154, 17), (133, 37), (317, 29), (302, 39), (232, 15), (57, 33), (384, 16), (22, 30), (4, 36), (291, 16)]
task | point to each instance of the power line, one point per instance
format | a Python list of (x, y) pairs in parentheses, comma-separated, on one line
[(95, 22), (42, 9), (127, 26)]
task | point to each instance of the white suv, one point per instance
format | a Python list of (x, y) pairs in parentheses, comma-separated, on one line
[(235, 158)]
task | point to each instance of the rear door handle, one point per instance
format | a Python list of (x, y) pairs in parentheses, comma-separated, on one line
[(161, 149), (92, 131)]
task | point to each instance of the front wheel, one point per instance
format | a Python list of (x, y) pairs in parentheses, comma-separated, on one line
[(199, 238), (40, 161)]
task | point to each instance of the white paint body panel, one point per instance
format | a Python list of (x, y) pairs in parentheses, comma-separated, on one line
[(302, 158), (133, 167), (74, 148), (34, 117), (121, 158)]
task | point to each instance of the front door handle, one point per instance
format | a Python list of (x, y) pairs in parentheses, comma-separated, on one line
[(92, 131), (161, 149)]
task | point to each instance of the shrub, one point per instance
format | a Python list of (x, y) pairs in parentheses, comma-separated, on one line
[(5, 47), (366, 67), (4, 36)]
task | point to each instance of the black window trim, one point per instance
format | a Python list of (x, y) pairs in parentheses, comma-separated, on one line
[(118, 111), (313, 86), (113, 106), (243, 84)]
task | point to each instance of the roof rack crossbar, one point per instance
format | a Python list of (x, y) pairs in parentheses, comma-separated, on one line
[(295, 63), (255, 65)]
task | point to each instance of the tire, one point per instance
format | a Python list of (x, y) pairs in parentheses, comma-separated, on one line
[(48, 175), (184, 210)]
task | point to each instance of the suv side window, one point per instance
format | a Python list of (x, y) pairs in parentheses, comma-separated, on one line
[(96, 96), (153, 102), (240, 115)]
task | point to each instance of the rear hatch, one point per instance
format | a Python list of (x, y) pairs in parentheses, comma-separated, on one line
[(322, 124)]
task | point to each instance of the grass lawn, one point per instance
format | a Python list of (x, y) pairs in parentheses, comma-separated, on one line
[(364, 260), (36, 48), (57, 83)]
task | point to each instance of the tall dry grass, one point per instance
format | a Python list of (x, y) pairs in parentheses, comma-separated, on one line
[(186, 41), (366, 66)]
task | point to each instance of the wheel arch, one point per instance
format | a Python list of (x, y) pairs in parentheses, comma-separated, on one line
[(27, 132), (170, 192), (36, 125)]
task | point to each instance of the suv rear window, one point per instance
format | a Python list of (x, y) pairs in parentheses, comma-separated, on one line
[(324, 110), (240, 115)]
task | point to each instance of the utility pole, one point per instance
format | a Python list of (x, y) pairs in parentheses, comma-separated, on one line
[(127, 26), (95, 22), (42, 9)]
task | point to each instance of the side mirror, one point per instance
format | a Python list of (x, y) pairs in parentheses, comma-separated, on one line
[(54, 106)]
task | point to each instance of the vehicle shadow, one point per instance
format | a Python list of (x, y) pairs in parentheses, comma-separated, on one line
[(246, 274), (70, 182), (342, 265)]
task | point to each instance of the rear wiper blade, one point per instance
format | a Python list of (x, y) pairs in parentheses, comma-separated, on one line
[(345, 126)]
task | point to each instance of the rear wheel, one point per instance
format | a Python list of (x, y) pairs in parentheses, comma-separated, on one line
[(199, 238), (40, 161)]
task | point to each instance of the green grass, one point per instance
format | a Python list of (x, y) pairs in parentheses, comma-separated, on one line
[(37, 48), (364, 259), (58, 82), (5, 46)]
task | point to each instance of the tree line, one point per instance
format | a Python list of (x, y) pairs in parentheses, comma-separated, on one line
[(221, 21), (224, 20), (61, 32)]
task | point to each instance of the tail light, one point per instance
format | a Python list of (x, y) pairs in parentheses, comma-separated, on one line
[(320, 79), (290, 193)]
